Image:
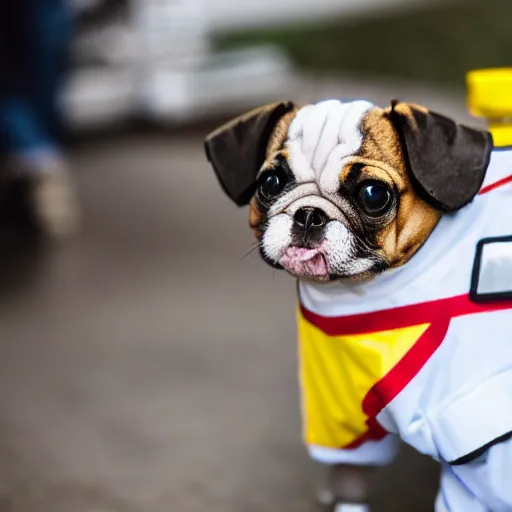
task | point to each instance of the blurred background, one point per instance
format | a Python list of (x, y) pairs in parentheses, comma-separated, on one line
[(147, 363)]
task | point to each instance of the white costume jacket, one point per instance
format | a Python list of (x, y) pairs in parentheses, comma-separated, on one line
[(423, 352)]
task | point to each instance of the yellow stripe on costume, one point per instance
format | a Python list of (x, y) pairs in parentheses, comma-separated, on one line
[(336, 374)]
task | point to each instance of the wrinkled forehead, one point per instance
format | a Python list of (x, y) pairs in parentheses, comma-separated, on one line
[(322, 136)]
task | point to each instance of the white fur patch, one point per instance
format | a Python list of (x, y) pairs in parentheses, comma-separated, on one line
[(320, 139), (296, 193), (339, 245), (321, 136), (277, 237), (306, 194)]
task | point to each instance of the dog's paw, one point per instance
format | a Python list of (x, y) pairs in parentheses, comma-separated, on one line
[(326, 502), (351, 507)]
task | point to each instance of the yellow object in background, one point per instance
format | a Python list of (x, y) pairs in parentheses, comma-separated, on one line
[(490, 97)]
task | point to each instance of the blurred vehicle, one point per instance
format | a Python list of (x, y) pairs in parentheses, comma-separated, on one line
[(151, 59)]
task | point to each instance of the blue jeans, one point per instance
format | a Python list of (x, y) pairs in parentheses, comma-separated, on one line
[(34, 40)]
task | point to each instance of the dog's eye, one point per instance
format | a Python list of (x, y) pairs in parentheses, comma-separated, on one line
[(272, 184), (375, 198)]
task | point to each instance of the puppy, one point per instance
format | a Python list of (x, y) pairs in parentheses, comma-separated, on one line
[(397, 224)]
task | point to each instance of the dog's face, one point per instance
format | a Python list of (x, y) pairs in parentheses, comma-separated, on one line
[(334, 199), (346, 190)]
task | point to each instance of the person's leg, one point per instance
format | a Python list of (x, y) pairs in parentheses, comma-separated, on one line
[(49, 28), (30, 114), (27, 81), (22, 135)]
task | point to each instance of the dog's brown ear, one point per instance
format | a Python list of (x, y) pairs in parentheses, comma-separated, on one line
[(237, 149), (446, 161)]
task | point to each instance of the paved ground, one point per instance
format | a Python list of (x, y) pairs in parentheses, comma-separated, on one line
[(147, 366)]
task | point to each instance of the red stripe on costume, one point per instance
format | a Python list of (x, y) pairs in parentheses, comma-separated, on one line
[(497, 184), (407, 368), (384, 391), (374, 433), (437, 313), (402, 316)]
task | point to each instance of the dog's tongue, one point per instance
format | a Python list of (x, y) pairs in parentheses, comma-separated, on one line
[(307, 262)]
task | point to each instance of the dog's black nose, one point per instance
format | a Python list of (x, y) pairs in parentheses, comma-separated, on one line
[(307, 218)]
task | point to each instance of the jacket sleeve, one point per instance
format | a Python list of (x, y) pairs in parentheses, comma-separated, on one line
[(489, 476)]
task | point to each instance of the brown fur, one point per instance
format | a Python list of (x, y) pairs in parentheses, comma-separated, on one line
[(382, 154), (255, 219), (275, 145), (279, 134), (382, 157)]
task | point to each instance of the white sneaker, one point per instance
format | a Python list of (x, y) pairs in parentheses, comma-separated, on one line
[(48, 193), (52, 203)]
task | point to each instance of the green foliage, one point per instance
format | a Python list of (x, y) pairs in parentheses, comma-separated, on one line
[(437, 43)]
